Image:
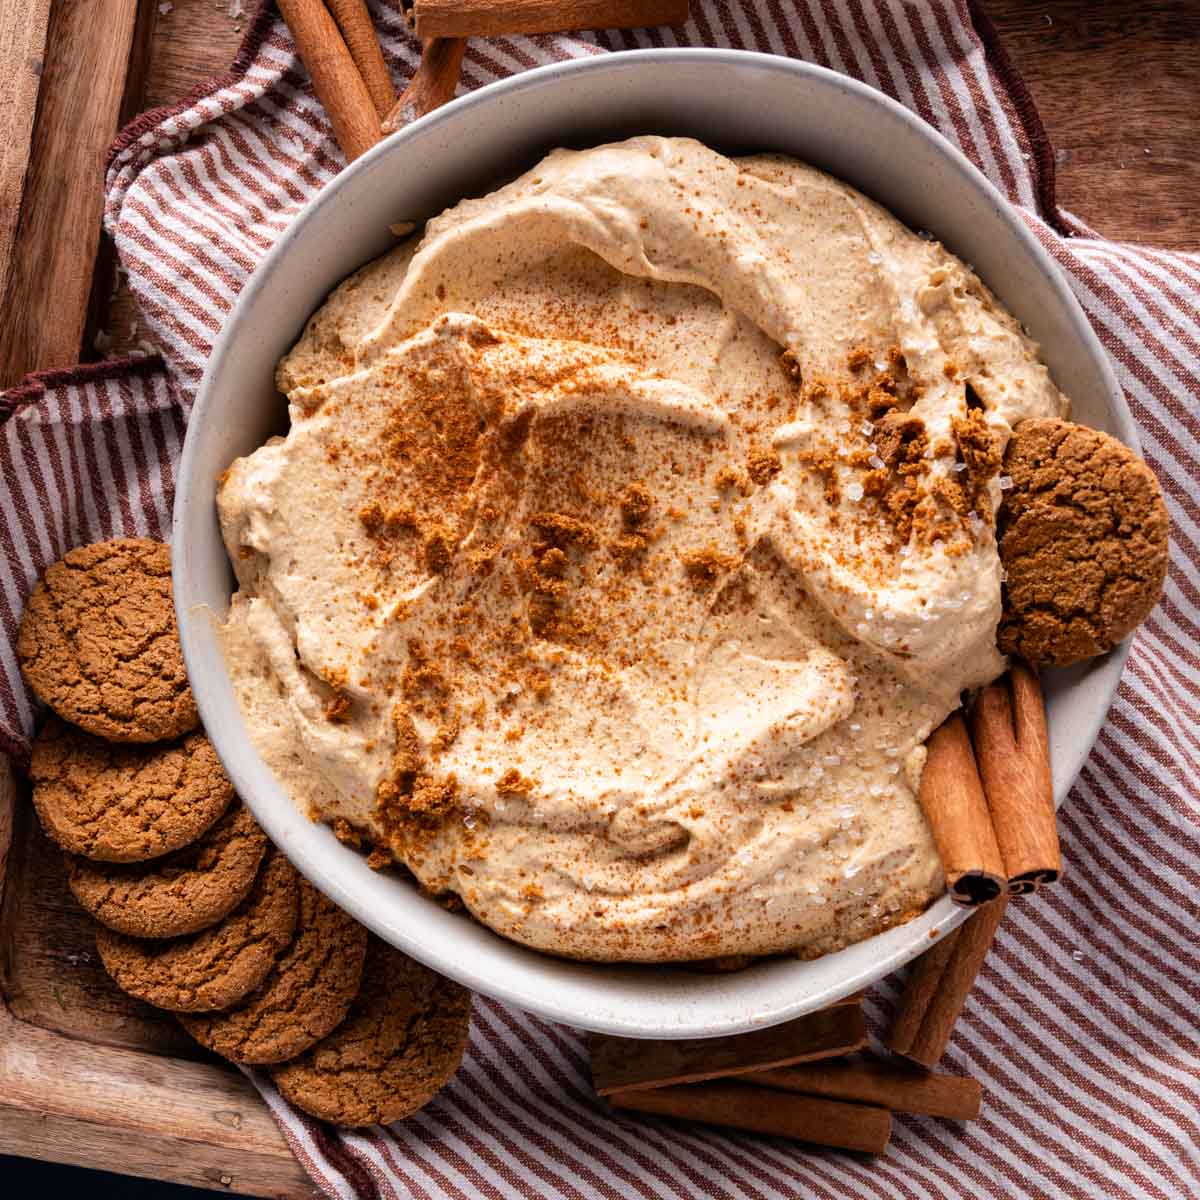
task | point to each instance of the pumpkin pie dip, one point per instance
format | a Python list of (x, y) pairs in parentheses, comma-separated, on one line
[(634, 528)]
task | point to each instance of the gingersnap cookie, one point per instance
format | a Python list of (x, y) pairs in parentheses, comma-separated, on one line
[(306, 996), (220, 965), (180, 893), (399, 1045), (1083, 537), (122, 803), (98, 643)]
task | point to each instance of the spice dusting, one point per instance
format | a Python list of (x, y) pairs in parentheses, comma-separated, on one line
[(616, 608)]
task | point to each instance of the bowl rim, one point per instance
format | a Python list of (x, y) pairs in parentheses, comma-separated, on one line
[(947, 916)]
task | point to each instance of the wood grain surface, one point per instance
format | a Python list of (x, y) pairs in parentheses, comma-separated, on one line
[(23, 26), (189, 44), (1117, 83), (49, 969), (116, 1097), (88, 46)]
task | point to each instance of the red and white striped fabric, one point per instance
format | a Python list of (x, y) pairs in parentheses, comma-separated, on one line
[(1084, 1021)]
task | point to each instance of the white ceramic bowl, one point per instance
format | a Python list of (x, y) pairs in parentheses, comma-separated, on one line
[(736, 102)]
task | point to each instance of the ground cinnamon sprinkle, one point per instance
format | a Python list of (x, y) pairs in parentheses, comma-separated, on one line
[(452, 436)]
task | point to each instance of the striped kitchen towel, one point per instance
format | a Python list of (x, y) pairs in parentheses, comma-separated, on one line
[(1083, 1023)]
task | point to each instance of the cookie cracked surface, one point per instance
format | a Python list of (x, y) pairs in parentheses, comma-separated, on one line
[(99, 645), (1083, 536), (305, 997), (221, 965), (180, 893), (122, 803), (401, 1042)]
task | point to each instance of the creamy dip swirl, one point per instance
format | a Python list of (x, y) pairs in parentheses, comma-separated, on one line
[(633, 531)]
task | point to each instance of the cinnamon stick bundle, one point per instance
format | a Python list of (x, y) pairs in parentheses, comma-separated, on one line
[(763, 1110), (939, 985), (489, 18), (631, 1064), (952, 798), (336, 79), (890, 1085), (1013, 750), (358, 31)]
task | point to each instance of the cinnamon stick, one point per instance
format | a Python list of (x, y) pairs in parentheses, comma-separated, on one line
[(919, 991), (433, 82), (358, 31), (1013, 750), (632, 1064), (935, 995), (336, 80), (890, 1085), (951, 796), (488, 18), (764, 1110)]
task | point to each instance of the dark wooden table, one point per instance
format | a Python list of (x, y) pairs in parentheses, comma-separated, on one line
[(1117, 83)]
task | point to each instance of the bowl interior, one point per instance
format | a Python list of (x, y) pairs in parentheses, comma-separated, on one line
[(736, 102)]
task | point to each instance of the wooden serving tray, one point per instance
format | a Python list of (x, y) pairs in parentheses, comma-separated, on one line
[(92, 1077)]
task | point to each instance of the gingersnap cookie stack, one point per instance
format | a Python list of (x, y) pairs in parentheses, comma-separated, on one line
[(196, 912)]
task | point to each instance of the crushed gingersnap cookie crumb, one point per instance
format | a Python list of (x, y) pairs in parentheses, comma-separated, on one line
[(730, 477), (346, 833), (636, 503), (706, 566), (560, 530), (979, 449), (627, 546), (513, 783), (438, 547), (762, 466)]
